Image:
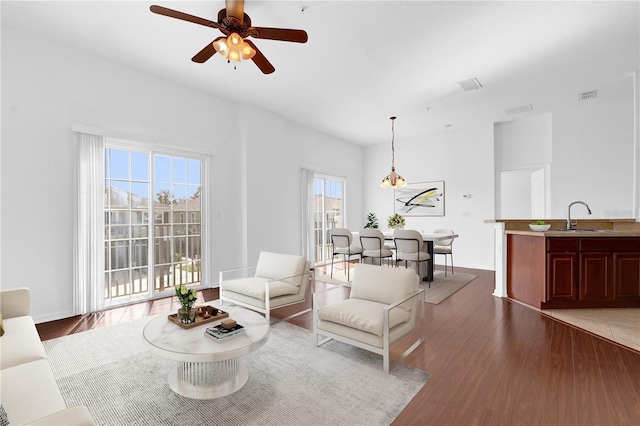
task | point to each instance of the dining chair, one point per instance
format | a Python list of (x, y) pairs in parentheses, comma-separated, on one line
[(444, 247), (372, 242), (341, 239), (410, 247)]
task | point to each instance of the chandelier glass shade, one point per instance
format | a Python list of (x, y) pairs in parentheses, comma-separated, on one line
[(234, 48), (393, 179)]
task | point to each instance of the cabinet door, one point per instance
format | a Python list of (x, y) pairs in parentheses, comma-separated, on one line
[(596, 276), (562, 283), (626, 276)]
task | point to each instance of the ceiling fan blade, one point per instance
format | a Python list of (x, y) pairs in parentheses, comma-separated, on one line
[(282, 34), (260, 60), (207, 52), (235, 8), (183, 16)]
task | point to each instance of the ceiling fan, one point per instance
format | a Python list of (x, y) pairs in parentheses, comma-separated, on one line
[(236, 26)]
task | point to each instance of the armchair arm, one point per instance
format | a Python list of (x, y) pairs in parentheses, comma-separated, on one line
[(15, 302), (227, 272), (406, 299), (309, 274)]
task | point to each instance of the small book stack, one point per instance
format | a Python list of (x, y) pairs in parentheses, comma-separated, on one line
[(227, 328)]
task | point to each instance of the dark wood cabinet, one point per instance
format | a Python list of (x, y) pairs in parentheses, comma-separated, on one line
[(562, 278), (626, 278), (596, 276), (584, 272)]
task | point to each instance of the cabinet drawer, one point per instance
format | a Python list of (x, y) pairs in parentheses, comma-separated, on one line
[(562, 244), (609, 244)]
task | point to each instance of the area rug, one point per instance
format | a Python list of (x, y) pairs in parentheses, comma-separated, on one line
[(291, 382), (441, 286)]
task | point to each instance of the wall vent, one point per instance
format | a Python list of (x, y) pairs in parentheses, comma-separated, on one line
[(470, 84), (518, 110), (585, 96)]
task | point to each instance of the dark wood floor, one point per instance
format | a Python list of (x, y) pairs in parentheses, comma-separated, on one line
[(492, 361)]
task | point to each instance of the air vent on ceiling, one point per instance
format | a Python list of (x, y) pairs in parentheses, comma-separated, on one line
[(470, 84), (585, 96), (518, 110)]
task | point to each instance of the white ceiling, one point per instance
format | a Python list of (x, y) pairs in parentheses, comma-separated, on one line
[(368, 60)]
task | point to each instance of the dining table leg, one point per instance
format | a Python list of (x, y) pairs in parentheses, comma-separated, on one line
[(429, 276)]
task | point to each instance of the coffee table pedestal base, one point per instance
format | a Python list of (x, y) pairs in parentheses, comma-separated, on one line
[(208, 380)]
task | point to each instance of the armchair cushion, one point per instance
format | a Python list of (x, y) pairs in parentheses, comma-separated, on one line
[(374, 284), (276, 265), (362, 315), (254, 287)]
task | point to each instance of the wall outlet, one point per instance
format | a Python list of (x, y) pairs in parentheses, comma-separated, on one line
[(464, 214)]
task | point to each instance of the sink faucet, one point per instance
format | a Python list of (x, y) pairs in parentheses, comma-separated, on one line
[(571, 224)]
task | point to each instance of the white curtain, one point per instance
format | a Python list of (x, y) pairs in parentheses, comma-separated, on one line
[(308, 240), (88, 291)]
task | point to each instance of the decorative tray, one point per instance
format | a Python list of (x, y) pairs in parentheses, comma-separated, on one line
[(200, 320)]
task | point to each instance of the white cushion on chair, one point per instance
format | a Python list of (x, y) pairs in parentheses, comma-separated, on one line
[(362, 315), (277, 265), (347, 250), (254, 287), (369, 283)]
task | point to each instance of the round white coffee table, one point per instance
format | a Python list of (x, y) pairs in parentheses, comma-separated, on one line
[(207, 368)]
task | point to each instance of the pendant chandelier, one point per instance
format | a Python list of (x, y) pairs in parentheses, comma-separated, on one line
[(393, 180)]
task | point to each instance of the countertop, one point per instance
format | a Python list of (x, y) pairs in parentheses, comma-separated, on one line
[(576, 233)]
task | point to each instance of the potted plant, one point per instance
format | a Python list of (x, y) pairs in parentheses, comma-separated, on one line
[(372, 221), (395, 221)]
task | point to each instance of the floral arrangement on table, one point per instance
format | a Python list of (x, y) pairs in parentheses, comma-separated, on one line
[(395, 221), (186, 296)]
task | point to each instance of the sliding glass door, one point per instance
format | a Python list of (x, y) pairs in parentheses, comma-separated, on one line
[(328, 213), (153, 224)]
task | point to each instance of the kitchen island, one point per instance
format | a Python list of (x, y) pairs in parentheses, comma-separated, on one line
[(597, 266)]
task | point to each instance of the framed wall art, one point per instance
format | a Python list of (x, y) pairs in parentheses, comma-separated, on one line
[(420, 199)]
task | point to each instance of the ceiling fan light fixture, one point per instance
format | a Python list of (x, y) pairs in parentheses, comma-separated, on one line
[(393, 180), (247, 51), (221, 46)]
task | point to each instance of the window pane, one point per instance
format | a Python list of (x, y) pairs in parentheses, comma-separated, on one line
[(139, 195), (162, 169), (194, 172), (119, 194), (118, 164), (179, 170), (140, 166)]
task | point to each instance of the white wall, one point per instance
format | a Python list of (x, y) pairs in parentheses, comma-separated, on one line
[(593, 156), (464, 160), (274, 179), (47, 87)]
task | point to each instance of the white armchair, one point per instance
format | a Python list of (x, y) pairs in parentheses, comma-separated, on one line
[(385, 305), (277, 280)]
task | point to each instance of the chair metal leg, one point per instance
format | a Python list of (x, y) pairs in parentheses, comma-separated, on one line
[(332, 257), (451, 262), (445, 265)]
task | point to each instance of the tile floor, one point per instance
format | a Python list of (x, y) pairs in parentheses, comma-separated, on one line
[(620, 325)]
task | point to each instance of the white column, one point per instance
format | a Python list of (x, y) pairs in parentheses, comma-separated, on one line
[(500, 241), (636, 145)]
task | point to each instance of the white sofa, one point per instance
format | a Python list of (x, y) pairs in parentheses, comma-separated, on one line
[(29, 393), (277, 280), (385, 304)]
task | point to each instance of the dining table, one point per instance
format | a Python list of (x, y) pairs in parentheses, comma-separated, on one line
[(429, 239)]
